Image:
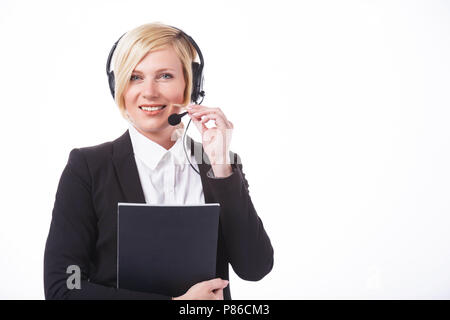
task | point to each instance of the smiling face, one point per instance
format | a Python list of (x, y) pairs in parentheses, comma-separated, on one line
[(157, 80)]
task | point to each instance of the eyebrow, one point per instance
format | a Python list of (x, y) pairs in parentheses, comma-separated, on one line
[(159, 70)]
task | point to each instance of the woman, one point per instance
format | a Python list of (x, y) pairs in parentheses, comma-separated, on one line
[(153, 78)]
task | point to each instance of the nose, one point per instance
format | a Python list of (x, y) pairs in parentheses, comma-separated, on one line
[(150, 90)]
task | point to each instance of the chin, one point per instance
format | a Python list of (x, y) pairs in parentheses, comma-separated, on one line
[(152, 128)]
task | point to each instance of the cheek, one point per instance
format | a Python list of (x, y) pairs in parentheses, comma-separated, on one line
[(177, 91), (130, 96)]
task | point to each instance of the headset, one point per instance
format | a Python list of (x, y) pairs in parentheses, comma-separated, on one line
[(197, 79), (197, 70)]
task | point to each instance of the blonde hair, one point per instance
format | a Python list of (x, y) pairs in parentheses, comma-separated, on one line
[(137, 43)]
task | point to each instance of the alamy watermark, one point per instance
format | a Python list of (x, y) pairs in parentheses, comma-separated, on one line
[(74, 280), (221, 141)]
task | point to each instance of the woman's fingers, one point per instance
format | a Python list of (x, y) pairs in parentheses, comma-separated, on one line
[(217, 283), (218, 294), (199, 111), (220, 122), (205, 290), (215, 140), (210, 114), (200, 125)]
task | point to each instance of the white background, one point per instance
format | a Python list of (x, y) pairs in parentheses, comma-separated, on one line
[(341, 115)]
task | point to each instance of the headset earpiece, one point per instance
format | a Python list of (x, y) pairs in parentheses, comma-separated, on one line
[(195, 81)]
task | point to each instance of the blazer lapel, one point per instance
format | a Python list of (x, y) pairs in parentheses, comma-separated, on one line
[(127, 173), (202, 161), (126, 169)]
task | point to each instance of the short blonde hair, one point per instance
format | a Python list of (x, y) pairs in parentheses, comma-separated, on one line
[(137, 43)]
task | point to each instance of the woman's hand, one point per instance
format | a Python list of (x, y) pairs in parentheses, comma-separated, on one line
[(206, 290), (215, 140)]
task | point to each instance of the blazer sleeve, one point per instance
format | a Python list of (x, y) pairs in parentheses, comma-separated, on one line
[(72, 239), (249, 248)]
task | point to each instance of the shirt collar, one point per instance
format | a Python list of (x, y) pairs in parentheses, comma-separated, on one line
[(151, 153)]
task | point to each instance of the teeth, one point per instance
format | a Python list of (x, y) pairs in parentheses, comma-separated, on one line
[(152, 108)]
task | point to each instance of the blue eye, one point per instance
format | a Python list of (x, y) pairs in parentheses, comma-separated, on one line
[(163, 76)]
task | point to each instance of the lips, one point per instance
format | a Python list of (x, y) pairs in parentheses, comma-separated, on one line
[(152, 112), (151, 105)]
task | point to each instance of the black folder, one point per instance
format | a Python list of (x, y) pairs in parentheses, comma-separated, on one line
[(166, 249)]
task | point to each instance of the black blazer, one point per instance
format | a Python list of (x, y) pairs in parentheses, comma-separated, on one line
[(83, 229)]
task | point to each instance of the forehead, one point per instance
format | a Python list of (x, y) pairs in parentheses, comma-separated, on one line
[(162, 58)]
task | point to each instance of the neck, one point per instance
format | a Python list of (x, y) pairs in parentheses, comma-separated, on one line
[(166, 139)]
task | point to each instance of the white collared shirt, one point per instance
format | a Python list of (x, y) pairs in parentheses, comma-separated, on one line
[(166, 176)]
